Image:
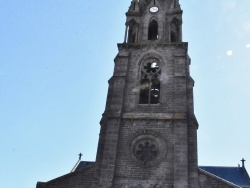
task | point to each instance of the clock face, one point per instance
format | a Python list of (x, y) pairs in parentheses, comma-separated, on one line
[(154, 9)]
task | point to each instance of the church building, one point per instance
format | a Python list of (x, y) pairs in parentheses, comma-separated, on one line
[(148, 136)]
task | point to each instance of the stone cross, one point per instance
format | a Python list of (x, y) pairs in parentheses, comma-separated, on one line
[(243, 162), (80, 156)]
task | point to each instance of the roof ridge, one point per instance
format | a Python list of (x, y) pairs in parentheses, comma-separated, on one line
[(75, 166), (219, 178), (222, 166), (70, 174)]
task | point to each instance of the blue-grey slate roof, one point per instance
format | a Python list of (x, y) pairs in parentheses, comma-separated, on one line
[(235, 175), (83, 164)]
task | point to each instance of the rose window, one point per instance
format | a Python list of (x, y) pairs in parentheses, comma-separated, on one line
[(146, 151)]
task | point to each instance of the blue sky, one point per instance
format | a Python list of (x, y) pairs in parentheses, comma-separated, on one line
[(57, 56)]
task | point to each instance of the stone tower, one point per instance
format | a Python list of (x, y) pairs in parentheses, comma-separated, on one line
[(148, 136), (148, 132)]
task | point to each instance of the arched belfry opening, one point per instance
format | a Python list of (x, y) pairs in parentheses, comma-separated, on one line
[(150, 82), (132, 32), (175, 30), (153, 30)]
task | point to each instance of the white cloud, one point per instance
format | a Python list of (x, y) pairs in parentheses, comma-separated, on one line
[(229, 52), (248, 46)]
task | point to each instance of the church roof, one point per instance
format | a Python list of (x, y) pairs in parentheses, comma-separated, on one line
[(235, 175), (82, 165)]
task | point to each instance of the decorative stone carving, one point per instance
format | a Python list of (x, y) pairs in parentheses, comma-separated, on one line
[(147, 149)]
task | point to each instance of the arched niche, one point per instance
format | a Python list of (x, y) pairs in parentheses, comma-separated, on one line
[(175, 30), (132, 31)]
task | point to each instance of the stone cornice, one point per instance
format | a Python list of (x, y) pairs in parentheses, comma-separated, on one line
[(147, 44), (158, 116)]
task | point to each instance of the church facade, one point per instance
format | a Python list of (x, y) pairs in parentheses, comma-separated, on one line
[(148, 136)]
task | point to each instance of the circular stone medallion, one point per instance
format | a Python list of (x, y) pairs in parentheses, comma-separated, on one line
[(147, 150)]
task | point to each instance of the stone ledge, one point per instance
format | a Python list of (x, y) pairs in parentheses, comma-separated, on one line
[(161, 116)]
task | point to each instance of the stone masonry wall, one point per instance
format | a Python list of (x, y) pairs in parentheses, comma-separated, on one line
[(129, 171)]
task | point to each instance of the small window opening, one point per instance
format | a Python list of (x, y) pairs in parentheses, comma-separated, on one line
[(150, 83), (153, 30), (155, 90), (144, 92)]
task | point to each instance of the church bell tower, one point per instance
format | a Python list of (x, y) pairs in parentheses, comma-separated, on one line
[(148, 136)]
